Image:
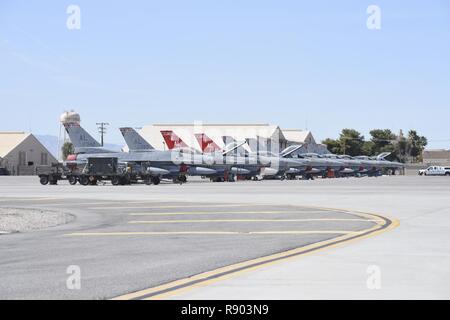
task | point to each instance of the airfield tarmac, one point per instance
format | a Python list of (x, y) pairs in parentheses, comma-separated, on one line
[(243, 240)]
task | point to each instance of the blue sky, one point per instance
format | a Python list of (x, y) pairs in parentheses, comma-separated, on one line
[(292, 63)]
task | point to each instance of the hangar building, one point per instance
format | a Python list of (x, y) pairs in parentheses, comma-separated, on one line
[(437, 157), (296, 136), (21, 152)]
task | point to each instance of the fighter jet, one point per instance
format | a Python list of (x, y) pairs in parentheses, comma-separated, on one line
[(243, 166), (214, 165), (159, 164), (365, 165), (258, 165), (375, 165), (350, 166), (317, 165), (280, 163)]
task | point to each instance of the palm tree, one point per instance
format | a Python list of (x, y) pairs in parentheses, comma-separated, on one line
[(67, 149)]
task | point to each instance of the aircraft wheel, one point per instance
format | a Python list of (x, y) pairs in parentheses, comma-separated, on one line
[(44, 180), (148, 181), (156, 180), (125, 180), (72, 180), (115, 180), (84, 180)]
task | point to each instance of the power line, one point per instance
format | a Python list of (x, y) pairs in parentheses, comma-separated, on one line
[(102, 129)]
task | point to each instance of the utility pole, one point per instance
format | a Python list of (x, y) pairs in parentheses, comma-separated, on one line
[(102, 129), (344, 147)]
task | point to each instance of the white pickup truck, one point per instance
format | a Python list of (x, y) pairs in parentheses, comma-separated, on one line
[(435, 171)]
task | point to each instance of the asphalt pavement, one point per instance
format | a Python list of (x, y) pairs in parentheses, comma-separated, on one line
[(130, 239)]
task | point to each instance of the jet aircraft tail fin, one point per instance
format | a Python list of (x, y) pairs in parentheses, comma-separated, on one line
[(134, 140), (207, 145), (172, 140), (79, 137)]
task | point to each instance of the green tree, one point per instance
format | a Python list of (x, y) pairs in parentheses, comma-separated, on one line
[(333, 145), (402, 148), (367, 148), (67, 149), (416, 144), (382, 141), (351, 142)]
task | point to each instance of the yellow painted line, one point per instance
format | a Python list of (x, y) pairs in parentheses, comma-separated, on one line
[(153, 233), (210, 277), (247, 220), (177, 206), (317, 247)]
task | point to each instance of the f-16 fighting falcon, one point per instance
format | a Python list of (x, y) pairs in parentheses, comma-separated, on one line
[(216, 165), (159, 164), (270, 164)]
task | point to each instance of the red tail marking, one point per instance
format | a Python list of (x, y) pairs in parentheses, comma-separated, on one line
[(206, 143), (172, 140)]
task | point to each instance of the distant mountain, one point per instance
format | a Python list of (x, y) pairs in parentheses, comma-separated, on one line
[(51, 143)]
